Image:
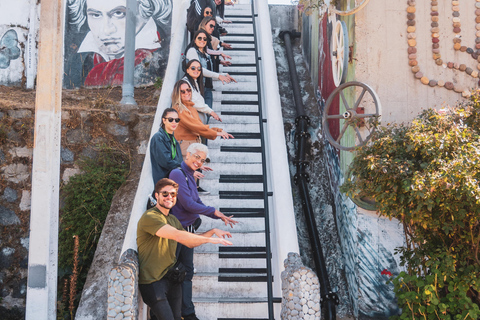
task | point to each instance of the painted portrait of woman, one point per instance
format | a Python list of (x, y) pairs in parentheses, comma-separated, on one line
[(95, 41)]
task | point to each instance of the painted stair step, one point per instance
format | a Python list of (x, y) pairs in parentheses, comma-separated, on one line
[(246, 135), (238, 48), (243, 104), (240, 65), (229, 119), (241, 194), (243, 93), (214, 187), (237, 149), (243, 225), (245, 78), (230, 16), (217, 156), (219, 142), (214, 201), (240, 239), (236, 102), (227, 289), (227, 109), (242, 275), (241, 42), (233, 168), (229, 308), (233, 252), (247, 55), (240, 113), (232, 68), (229, 38), (245, 21), (253, 128), (242, 73), (210, 262), (246, 178), (241, 86), (244, 212)]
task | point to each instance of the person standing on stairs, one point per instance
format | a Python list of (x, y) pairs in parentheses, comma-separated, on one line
[(193, 75), (191, 127), (158, 233), (165, 153), (188, 209), (197, 50)]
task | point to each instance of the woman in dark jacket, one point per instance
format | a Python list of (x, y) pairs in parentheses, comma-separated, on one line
[(165, 153)]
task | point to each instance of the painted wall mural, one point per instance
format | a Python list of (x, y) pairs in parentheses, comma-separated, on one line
[(95, 41), (18, 45), (9, 49)]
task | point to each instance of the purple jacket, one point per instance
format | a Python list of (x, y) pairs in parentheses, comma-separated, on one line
[(189, 206)]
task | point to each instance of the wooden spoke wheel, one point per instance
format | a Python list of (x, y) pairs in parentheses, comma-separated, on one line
[(358, 5), (339, 52), (354, 115)]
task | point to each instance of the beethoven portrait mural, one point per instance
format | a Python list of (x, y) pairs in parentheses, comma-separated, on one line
[(95, 41)]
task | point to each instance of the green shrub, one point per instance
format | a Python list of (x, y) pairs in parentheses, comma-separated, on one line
[(88, 198), (427, 175)]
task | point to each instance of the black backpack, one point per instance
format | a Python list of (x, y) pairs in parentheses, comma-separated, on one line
[(191, 17)]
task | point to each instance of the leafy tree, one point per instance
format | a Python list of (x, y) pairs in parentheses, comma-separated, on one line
[(427, 176)]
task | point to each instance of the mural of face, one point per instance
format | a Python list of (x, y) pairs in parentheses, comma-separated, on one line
[(106, 20)]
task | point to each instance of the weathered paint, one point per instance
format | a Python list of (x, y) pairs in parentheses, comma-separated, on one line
[(367, 241), (382, 57), (95, 41), (14, 29), (43, 244)]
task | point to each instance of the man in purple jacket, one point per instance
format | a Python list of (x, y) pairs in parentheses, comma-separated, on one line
[(188, 209)]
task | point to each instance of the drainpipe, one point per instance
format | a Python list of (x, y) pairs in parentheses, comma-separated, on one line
[(329, 299), (129, 62)]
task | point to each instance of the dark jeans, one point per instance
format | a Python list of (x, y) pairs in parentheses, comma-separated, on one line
[(185, 256), (208, 97), (164, 299)]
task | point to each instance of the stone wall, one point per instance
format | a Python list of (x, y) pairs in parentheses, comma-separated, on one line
[(85, 129)]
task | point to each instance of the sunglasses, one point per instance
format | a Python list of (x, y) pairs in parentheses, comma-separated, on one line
[(186, 90), (211, 25), (177, 120), (196, 68), (202, 38), (208, 13), (199, 158), (166, 193)]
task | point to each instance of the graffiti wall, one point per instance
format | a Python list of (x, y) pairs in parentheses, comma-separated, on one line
[(368, 241), (95, 41), (18, 44)]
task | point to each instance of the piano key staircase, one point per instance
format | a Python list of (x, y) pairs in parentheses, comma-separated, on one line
[(232, 282)]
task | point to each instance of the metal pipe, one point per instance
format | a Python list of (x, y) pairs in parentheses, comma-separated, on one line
[(268, 250), (329, 298), (129, 62)]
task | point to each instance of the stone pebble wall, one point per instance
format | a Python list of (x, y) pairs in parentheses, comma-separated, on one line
[(123, 288), (85, 130), (300, 291)]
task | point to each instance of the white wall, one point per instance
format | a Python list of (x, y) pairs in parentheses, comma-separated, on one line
[(382, 58)]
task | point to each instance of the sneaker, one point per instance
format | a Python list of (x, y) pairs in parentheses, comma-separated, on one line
[(202, 191), (190, 317)]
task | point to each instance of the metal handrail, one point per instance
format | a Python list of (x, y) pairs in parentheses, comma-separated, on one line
[(329, 299), (264, 173)]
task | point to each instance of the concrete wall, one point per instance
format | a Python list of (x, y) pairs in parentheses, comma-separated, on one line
[(382, 57)]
